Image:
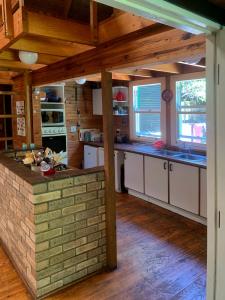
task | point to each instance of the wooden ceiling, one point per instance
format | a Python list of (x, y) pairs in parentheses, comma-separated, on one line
[(58, 31)]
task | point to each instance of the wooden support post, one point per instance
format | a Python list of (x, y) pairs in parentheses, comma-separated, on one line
[(28, 107), (109, 169), (168, 114), (94, 20)]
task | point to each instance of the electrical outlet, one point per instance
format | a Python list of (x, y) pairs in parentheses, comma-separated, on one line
[(73, 129)]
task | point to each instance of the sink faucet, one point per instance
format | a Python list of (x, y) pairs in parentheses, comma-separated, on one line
[(186, 148)]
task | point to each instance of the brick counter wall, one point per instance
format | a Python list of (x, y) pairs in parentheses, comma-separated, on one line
[(17, 229), (70, 230), (54, 231)]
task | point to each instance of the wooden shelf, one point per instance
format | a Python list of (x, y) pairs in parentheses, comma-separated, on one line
[(120, 115), (53, 103), (118, 101)]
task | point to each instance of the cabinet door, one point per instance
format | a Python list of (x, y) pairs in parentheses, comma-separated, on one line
[(184, 187), (203, 193), (97, 101), (134, 171), (90, 157), (156, 178), (100, 157)]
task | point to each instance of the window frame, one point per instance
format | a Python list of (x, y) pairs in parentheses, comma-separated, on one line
[(134, 137), (174, 115)]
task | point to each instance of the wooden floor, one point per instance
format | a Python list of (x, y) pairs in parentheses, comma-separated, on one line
[(161, 256)]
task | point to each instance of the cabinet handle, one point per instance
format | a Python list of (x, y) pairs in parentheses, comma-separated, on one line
[(171, 167), (165, 165)]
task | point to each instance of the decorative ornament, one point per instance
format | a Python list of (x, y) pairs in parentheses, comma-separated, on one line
[(167, 95)]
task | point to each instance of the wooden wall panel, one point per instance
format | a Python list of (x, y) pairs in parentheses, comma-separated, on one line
[(19, 88)]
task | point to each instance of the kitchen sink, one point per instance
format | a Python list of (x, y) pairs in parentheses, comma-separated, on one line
[(167, 152), (188, 156)]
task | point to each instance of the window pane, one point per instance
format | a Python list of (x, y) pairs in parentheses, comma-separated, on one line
[(192, 128), (148, 125), (147, 97), (191, 93)]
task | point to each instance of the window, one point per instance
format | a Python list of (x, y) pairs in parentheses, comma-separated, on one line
[(147, 110), (190, 110)]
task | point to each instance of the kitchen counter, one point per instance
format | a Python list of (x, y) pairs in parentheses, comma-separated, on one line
[(52, 228), (147, 149)]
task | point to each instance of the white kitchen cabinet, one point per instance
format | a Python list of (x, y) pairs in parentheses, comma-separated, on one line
[(156, 178), (97, 101), (203, 193), (90, 157), (118, 160), (134, 171), (184, 186), (101, 156)]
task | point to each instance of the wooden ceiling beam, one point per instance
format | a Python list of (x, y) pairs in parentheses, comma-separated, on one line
[(50, 27), (115, 76), (17, 65), (121, 24), (48, 46), (94, 20), (135, 72), (43, 59), (157, 43), (173, 68)]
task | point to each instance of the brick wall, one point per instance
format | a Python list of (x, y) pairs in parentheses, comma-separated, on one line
[(54, 231), (17, 230), (70, 230), (83, 103)]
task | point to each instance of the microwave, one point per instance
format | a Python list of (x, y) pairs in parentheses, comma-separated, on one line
[(52, 117)]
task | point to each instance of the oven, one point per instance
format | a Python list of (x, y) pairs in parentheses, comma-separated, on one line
[(56, 143), (55, 138), (52, 117)]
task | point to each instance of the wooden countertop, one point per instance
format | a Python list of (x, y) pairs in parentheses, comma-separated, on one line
[(147, 149), (33, 178)]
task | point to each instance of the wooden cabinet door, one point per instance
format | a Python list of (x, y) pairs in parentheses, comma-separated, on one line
[(184, 187), (203, 193), (156, 178), (134, 171), (90, 157), (97, 101)]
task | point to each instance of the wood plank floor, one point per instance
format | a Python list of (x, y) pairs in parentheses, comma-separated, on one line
[(161, 256)]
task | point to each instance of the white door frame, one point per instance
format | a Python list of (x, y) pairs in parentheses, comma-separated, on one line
[(211, 164)]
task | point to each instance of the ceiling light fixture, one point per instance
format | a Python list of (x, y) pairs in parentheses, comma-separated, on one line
[(81, 80), (28, 57)]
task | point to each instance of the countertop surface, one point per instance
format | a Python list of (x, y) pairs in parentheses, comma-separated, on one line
[(149, 150), (33, 178)]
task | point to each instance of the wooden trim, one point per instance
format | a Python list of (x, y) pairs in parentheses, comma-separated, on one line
[(94, 20), (10, 116), (28, 107), (3, 139), (109, 169), (7, 93)]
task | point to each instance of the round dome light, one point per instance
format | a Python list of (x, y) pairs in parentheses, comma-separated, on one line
[(81, 81), (27, 57)]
